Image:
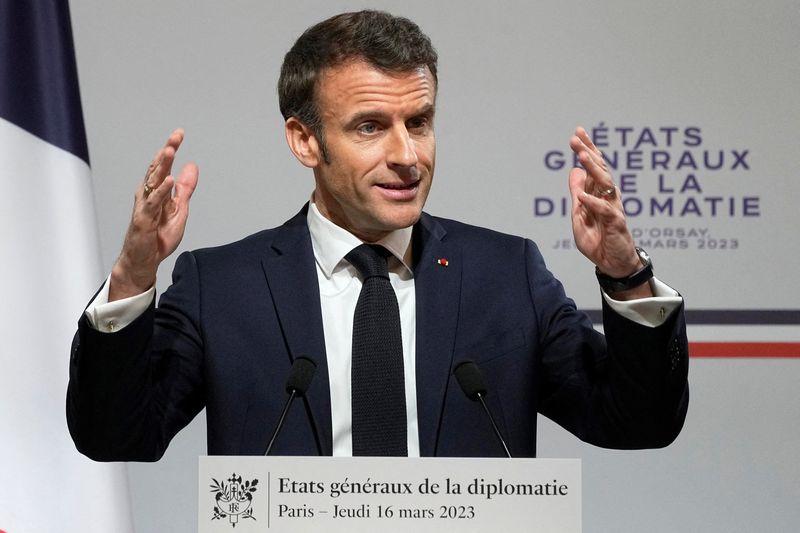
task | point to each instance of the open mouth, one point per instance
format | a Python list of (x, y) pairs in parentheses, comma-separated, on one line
[(399, 192), (399, 186)]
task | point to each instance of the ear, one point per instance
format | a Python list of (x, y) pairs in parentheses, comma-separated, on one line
[(303, 143)]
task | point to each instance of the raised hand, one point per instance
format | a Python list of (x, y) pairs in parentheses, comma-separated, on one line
[(160, 210), (598, 218)]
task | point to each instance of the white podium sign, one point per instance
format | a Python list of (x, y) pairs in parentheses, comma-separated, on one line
[(337, 494)]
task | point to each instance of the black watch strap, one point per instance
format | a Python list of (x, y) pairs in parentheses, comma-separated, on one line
[(644, 274)]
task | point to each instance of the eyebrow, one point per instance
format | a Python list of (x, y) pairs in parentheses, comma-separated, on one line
[(428, 109), (361, 116)]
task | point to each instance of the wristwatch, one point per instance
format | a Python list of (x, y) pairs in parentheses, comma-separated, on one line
[(609, 284)]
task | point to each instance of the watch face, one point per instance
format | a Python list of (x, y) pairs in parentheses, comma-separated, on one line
[(644, 257)]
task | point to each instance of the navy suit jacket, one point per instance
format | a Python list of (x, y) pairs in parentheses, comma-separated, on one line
[(226, 332)]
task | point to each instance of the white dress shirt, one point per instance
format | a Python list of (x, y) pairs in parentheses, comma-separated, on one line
[(339, 287)]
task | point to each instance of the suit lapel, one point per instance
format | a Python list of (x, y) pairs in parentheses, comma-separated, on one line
[(292, 278), (438, 294)]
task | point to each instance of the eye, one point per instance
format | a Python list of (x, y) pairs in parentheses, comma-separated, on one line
[(368, 128), (419, 124)]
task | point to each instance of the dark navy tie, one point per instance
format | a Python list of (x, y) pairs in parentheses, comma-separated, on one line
[(378, 380)]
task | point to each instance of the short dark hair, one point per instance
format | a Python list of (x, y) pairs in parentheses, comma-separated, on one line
[(387, 42)]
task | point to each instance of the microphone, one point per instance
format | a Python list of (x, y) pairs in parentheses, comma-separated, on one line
[(470, 379), (297, 383)]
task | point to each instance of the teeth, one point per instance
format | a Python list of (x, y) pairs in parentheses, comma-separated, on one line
[(401, 186)]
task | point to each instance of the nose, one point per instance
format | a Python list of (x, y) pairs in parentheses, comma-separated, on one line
[(402, 153)]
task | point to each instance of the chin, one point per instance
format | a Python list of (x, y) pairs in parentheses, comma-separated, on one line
[(405, 220)]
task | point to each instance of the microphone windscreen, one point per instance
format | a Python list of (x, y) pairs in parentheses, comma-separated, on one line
[(470, 379), (300, 375)]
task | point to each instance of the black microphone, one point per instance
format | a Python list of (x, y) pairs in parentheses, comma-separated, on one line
[(470, 379), (297, 383)]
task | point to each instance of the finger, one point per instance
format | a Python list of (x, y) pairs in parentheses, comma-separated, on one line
[(583, 135), (154, 178), (154, 203), (599, 208), (580, 142), (586, 158), (170, 149), (583, 146), (602, 183), (161, 165), (591, 151), (589, 175)]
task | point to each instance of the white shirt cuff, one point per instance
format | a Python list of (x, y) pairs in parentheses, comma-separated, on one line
[(108, 316), (650, 312)]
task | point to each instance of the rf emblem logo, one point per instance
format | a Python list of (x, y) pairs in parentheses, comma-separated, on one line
[(234, 499)]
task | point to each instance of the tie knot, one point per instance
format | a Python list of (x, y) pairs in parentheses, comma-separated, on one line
[(370, 260)]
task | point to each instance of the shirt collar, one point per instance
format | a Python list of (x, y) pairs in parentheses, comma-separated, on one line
[(331, 242)]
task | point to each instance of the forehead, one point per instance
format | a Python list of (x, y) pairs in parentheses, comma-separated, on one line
[(357, 85)]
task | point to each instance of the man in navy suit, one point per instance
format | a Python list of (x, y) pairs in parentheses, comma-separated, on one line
[(358, 92)]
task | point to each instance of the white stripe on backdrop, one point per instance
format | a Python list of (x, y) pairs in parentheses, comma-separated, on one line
[(50, 265)]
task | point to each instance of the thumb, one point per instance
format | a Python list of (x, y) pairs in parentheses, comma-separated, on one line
[(186, 182), (577, 184)]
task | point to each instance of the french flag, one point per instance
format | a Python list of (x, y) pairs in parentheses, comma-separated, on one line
[(50, 261)]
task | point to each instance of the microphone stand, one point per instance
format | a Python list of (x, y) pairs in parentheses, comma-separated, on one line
[(494, 426)]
